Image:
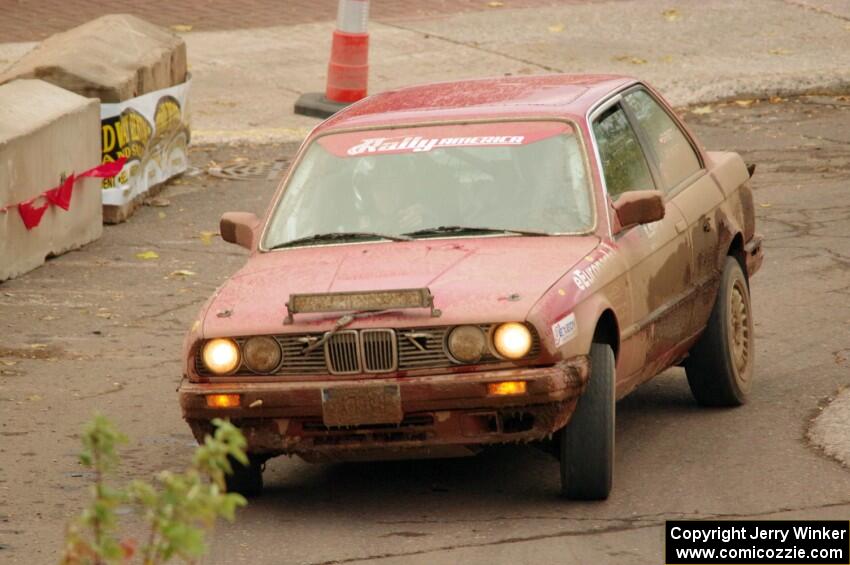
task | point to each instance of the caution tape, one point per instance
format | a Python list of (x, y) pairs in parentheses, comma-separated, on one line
[(31, 213)]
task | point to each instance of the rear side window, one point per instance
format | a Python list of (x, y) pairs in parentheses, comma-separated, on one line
[(623, 162), (676, 158)]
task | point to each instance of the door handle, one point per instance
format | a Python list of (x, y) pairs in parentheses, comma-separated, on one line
[(681, 226)]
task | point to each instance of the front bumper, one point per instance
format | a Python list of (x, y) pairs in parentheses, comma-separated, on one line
[(754, 253), (443, 414)]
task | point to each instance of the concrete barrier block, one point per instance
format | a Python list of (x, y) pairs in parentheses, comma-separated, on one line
[(114, 58), (45, 132)]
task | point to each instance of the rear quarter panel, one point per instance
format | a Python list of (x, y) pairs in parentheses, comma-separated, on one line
[(733, 216), (730, 173)]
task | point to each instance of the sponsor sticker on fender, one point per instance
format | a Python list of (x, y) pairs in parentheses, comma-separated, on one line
[(565, 329), (428, 138), (584, 277)]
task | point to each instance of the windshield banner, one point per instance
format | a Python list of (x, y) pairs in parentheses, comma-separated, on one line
[(423, 139)]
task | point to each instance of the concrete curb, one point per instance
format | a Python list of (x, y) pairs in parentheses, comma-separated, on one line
[(829, 430)]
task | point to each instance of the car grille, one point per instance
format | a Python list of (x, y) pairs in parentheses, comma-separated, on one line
[(379, 351), (375, 351), (341, 353)]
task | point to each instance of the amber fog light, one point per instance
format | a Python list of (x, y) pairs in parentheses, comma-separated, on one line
[(467, 344), (221, 355), (512, 340), (262, 354), (506, 388), (223, 400)]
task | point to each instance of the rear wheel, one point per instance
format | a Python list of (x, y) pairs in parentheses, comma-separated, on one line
[(720, 365), (587, 442), (246, 480)]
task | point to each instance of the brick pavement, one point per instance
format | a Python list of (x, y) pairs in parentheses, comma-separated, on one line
[(33, 20)]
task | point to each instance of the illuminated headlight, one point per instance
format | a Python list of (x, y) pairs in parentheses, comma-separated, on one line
[(262, 354), (512, 340), (467, 344), (221, 355)]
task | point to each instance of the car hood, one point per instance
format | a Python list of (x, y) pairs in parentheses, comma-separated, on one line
[(487, 279)]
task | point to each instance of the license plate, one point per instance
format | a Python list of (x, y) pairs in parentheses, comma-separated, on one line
[(359, 405)]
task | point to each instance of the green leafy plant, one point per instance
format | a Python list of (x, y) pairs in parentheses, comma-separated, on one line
[(177, 508)]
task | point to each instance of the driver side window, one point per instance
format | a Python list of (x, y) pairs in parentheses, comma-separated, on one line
[(623, 162)]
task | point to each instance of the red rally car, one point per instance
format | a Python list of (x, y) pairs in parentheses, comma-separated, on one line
[(460, 264)]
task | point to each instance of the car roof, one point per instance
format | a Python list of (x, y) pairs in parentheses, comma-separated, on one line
[(515, 96)]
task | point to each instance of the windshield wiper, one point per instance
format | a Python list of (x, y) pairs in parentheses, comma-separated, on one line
[(340, 236), (440, 230)]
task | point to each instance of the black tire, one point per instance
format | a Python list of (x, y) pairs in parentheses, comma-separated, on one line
[(587, 442), (720, 364), (246, 480)]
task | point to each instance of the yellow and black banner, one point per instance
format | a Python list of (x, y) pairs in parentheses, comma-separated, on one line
[(152, 133)]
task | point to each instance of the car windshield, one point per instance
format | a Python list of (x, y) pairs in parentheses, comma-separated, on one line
[(435, 181)]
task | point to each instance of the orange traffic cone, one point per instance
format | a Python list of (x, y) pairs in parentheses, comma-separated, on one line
[(348, 69)]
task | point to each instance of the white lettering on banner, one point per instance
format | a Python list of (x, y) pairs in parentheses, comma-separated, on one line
[(584, 277), (418, 144), (565, 329)]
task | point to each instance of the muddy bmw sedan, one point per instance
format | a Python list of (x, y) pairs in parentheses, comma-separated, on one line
[(456, 265)]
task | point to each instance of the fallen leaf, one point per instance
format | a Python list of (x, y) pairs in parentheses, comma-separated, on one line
[(779, 51), (556, 28), (207, 236), (104, 315), (775, 99), (182, 273), (667, 59), (38, 346), (765, 205), (146, 255), (49, 318), (181, 27), (161, 215), (158, 202), (700, 110), (630, 59), (34, 398), (10, 363), (495, 4), (671, 15), (744, 103)]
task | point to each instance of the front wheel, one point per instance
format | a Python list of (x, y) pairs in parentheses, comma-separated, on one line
[(720, 365), (587, 442)]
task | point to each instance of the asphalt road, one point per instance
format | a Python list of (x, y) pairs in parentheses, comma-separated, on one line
[(100, 329)]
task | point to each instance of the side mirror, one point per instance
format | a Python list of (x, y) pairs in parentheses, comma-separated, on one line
[(639, 207), (239, 228)]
